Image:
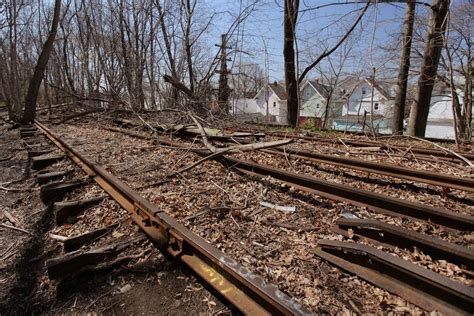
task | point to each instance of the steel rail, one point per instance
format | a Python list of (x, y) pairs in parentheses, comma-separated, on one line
[(431, 139), (376, 202), (421, 176), (392, 235), (427, 177), (245, 290), (359, 143), (363, 198), (416, 284)]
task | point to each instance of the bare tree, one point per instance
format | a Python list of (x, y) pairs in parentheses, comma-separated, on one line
[(38, 74), (457, 60), (402, 83), (291, 80), (420, 109), (289, 38)]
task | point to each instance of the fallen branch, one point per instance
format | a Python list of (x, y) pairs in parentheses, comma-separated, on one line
[(200, 161), (16, 228), (76, 115), (284, 209), (10, 217), (205, 140), (16, 189), (452, 152)]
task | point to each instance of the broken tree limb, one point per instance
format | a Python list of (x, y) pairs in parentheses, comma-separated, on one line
[(181, 87), (57, 237), (16, 228), (284, 209), (233, 149), (76, 115), (10, 218), (205, 140), (256, 146), (200, 161), (452, 152)]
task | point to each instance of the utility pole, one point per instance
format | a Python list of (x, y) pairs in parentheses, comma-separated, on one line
[(224, 90)]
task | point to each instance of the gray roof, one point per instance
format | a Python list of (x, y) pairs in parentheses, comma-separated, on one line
[(320, 88), (279, 90)]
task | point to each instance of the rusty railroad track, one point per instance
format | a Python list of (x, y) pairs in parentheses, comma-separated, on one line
[(364, 143), (248, 293), (374, 201), (420, 286), (385, 169), (244, 290)]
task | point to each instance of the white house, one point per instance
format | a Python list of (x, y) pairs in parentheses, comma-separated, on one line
[(440, 122), (357, 104), (244, 106), (314, 97), (359, 98), (271, 102)]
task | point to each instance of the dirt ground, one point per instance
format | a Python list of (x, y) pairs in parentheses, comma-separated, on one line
[(154, 285)]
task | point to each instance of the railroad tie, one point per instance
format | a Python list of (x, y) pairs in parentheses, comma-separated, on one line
[(66, 209), (55, 190), (44, 161)]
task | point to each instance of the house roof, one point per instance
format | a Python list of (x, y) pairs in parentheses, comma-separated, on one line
[(382, 86), (320, 88), (276, 87), (279, 90)]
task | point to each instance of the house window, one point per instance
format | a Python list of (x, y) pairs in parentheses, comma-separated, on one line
[(317, 106), (274, 104), (363, 91), (376, 106)]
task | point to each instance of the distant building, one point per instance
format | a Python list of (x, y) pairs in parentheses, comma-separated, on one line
[(244, 106), (271, 102), (440, 122), (314, 98), (359, 106)]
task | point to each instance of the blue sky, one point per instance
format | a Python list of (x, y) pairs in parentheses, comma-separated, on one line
[(325, 24)]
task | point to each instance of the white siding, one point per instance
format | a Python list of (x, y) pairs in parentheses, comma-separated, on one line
[(312, 103), (440, 107), (276, 107), (244, 106), (360, 101)]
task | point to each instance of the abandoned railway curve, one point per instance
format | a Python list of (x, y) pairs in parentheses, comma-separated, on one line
[(249, 293)]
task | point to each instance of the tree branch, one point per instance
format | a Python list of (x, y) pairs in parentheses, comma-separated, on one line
[(329, 52)]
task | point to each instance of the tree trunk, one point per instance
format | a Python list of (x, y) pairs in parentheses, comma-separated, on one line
[(429, 69), (400, 98), (35, 82), (291, 82), (224, 90)]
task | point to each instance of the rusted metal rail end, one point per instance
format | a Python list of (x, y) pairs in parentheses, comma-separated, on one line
[(374, 201), (420, 286), (392, 235), (240, 287), (433, 178)]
